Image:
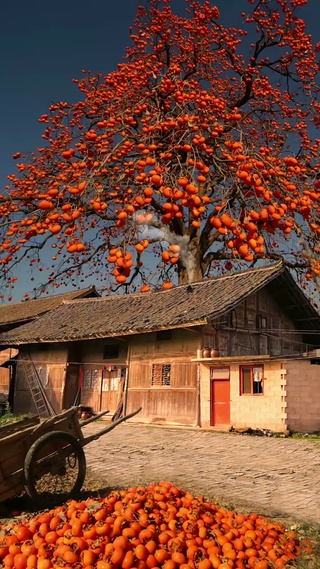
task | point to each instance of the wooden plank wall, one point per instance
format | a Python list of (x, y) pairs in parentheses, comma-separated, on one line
[(104, 395), (174, 404), (51, 364), (5, 355), (91, 398), (4, 380), (241, 334), (5, 374)]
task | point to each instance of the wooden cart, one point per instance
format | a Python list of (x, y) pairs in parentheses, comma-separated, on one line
[(46, 457)]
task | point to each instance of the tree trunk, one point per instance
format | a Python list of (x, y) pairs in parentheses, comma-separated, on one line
[(190, 268), (185, 277)]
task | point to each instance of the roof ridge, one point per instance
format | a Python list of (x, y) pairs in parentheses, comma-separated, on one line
[(25, 302), (275, 265)]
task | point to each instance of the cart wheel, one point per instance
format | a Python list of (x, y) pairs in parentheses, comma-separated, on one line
[(54, 468)]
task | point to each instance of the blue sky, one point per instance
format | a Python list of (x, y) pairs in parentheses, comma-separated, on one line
[(45, 45)]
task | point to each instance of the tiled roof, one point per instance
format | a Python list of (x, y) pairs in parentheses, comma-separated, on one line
[(181, 306), (185, 305), (29, 309)]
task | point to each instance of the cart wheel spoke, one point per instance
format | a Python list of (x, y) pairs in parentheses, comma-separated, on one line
[(72, 460), (54, 468)]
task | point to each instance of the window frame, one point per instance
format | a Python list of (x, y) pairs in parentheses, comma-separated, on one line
[(251, 366), (161, 385), (91, 380), (262, 322)]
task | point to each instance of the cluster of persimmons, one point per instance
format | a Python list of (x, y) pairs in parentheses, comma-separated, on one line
[(159, 526)]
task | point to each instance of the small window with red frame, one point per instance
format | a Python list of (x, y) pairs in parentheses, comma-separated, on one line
[(251, 380)]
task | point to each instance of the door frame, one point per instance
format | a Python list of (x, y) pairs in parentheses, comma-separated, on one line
[(212, 379)]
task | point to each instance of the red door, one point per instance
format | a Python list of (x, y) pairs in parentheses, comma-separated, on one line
[(220, 396)]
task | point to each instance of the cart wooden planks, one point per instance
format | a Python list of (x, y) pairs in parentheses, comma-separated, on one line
[(46, 457)]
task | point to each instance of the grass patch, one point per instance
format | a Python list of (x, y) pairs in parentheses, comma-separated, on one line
[(9, 417), (306, 436), (309, 537)]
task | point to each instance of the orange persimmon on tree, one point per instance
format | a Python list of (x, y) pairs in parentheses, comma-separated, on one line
[(201, 148)]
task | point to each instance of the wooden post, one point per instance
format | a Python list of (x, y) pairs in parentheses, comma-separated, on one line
[(126, 383), (101, 386)]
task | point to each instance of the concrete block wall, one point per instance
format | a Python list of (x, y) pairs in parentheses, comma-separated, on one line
[(267, 411), (303, 395)]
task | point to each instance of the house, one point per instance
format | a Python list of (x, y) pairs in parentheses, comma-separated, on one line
[(18, 313), (157, 346)]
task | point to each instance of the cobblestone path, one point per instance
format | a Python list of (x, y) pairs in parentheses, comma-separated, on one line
[(274, 476)]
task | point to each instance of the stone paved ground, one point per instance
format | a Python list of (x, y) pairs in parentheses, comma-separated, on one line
[(276, 477)]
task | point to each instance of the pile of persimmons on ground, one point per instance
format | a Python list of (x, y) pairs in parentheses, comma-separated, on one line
[(145, 528)]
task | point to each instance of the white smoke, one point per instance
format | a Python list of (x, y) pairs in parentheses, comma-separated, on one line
[(154, 230)]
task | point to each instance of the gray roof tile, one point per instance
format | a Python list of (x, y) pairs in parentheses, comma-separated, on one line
[(30, 309), (120, 315)]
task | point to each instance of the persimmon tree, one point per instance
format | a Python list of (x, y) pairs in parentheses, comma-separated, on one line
[(201, 149)]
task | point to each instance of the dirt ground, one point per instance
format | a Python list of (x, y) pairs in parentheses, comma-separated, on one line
[(273, 476)]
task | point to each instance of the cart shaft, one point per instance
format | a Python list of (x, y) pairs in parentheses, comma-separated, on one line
[(96, 436), (91, 419)]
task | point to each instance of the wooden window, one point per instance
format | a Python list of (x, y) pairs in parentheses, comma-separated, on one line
[(161, 375), (251, 380), (262, 322), (92, 378), (163, 335), (111, 351)]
